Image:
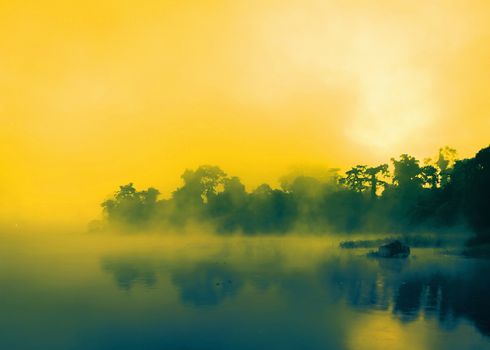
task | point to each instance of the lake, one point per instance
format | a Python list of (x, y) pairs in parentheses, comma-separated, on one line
[(98, 291)]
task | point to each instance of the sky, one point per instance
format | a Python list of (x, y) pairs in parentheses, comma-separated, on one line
[(95, 94)]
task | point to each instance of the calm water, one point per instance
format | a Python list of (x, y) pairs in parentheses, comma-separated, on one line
[(68, 291)]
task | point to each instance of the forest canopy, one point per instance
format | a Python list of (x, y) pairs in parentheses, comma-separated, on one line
[(405, 195)]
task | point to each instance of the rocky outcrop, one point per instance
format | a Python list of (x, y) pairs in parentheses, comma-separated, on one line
[(395, 249)]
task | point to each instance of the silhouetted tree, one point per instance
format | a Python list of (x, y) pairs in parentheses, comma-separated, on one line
[(228, 208), (440, 194), (356, 178), (200, 185), (375, 177), (131, 206), (407, 171), (470, 181), (445, 161), (429, 176)]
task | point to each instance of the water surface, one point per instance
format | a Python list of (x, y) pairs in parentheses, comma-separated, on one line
[(85, 291)]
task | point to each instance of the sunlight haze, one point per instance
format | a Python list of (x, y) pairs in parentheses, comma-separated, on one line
[(95, 94)]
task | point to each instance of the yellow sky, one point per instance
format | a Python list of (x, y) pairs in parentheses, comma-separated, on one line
[(94, 94)]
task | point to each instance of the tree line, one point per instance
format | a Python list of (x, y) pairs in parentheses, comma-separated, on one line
[(409, 196)]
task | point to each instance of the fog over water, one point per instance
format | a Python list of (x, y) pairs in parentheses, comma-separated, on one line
[(70, 290), (206, 175)]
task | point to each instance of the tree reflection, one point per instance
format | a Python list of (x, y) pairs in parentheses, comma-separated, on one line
[(129, 270), (206, 284), (407, 289)]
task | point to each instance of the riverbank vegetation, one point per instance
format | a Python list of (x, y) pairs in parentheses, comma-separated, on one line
[(405, 195)]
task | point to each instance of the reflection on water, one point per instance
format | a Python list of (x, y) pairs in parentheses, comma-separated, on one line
[(207, 284), (238, 293), (448, 289), (128, 271)]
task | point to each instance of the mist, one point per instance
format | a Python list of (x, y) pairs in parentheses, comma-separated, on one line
[(406, 196)]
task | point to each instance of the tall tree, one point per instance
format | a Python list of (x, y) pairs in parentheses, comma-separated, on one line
[(200, 185), (407, 171), (430, 176), (445, 162), (376, 176), (356, 178)]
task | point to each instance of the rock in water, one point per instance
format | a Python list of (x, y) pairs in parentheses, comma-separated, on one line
[(395, 249)]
